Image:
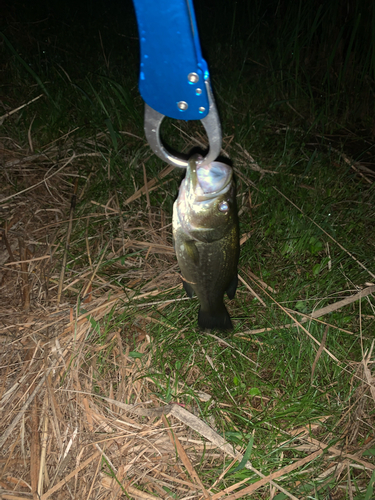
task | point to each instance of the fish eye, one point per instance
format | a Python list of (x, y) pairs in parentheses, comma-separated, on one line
[(223, 206)]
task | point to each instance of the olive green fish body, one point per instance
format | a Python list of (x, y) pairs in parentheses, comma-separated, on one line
[(206, 239)]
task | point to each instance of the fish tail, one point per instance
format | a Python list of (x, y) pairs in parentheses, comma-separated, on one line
[(218, 319)]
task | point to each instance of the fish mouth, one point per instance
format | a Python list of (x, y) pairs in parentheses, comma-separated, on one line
[(208, 181)]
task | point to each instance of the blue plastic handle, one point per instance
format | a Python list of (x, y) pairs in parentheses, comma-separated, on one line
[(173, 71)]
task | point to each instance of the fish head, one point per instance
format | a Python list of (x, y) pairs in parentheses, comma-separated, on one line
[(206, 202)]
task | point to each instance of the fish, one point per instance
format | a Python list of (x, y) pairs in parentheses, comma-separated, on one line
[(206, 239)]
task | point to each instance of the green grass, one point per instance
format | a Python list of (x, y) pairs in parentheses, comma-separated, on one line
[(288, 100)]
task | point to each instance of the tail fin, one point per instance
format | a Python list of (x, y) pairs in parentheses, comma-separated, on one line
[(218, 319)]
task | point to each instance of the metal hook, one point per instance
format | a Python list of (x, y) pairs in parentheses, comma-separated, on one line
[(211, 123)]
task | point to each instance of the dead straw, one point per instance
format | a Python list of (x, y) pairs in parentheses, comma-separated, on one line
[(48, 177), (67, 242)]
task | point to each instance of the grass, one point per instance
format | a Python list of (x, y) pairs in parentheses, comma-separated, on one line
[(297, 113)]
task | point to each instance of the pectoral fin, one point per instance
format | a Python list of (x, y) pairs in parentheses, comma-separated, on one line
[(192, 251), (231, 290), (188, 289)]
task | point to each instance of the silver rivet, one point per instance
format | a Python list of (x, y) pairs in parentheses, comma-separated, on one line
[(198, 91), (182, 105), (202, 109), (193, 77)]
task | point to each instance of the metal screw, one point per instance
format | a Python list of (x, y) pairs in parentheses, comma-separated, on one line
[(182, 105), (193, 77), (198, 91), (202, 109)]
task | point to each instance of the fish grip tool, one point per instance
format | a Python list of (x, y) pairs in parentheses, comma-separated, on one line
[(174, 79)]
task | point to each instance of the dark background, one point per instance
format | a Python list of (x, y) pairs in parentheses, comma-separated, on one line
[(316, 57)]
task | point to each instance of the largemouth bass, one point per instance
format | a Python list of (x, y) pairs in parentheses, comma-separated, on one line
[(206, 239)]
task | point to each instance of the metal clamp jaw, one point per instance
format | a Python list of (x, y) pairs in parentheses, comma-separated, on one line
[(211, 123), (174, 77)]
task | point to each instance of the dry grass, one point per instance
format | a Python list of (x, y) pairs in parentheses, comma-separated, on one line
[(58, 438), (61, 437), (52, 433)]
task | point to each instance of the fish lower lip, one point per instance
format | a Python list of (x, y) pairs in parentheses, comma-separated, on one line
[(196, 187)]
